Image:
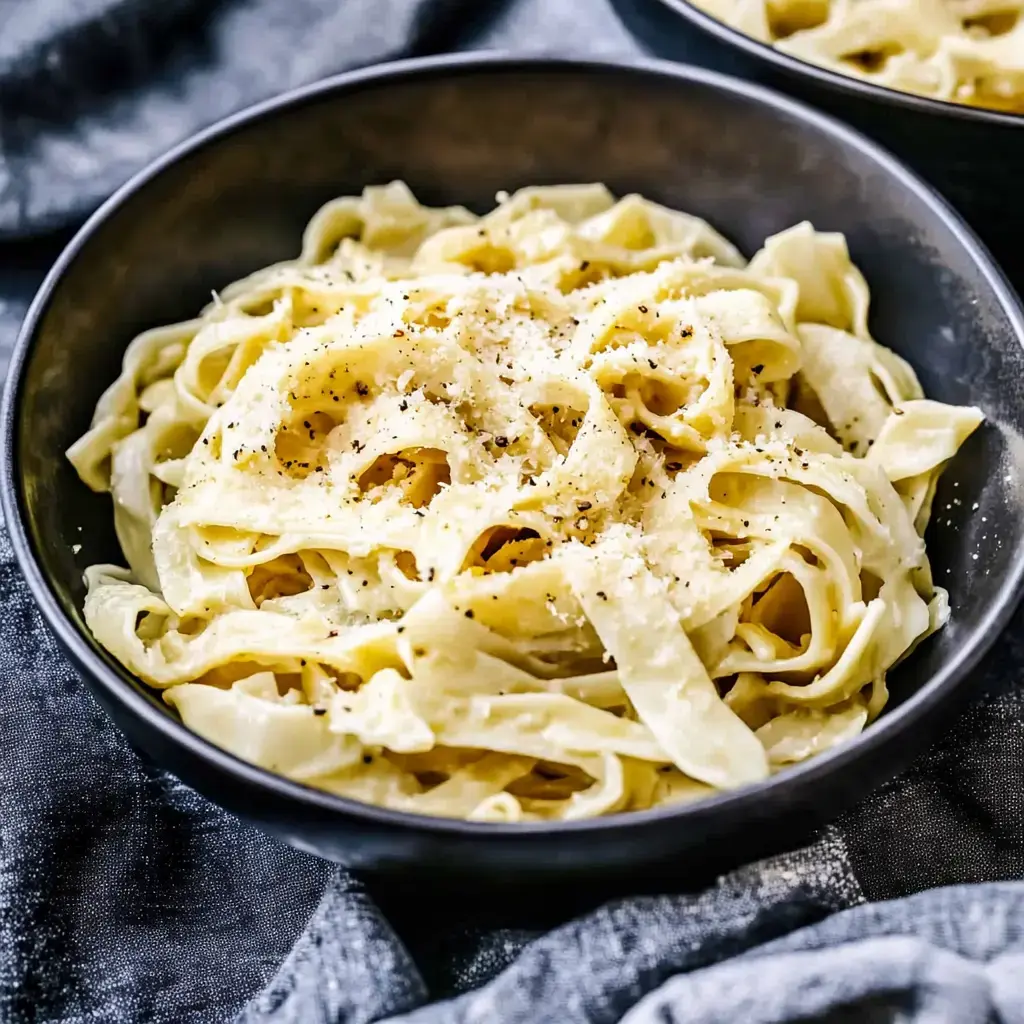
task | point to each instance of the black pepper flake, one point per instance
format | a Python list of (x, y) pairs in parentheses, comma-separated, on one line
[(401, 629), (430, 575), (501, 441), (403, 405), (206, 440), (778, 424), (469, 613), (584, 506), (652, 364), (601, 594), (585, 265), (367, 759), (643, 309), (686, 332), (362, 389), (319, 711)]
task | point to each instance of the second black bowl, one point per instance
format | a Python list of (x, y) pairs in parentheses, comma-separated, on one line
[(975, 157), (459, 130)]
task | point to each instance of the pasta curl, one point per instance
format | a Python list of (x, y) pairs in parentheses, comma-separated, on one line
[(963, 51), (557, 512)]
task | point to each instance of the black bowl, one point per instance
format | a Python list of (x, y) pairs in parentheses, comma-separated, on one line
[(975, 157), (459, 129)]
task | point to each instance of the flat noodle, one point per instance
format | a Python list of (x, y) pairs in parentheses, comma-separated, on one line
[(964, 51), (554, 513)]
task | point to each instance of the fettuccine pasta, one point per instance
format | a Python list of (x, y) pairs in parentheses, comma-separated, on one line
[(557, 512), (964, 51)]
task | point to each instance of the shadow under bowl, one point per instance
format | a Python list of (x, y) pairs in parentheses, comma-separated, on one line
[(458, 129)]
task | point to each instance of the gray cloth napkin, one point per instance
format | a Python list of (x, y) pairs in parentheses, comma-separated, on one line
[(124, 896)]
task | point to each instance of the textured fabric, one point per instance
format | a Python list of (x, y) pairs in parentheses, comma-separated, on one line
[(124, 896)]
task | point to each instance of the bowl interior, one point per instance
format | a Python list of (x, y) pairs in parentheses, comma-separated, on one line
[(750, 165)]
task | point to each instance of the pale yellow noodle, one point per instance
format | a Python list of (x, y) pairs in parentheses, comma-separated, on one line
[(963, 51), (547, 514)]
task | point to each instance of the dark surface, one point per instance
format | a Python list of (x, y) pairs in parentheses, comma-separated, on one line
[(239, 201), (974, 157)]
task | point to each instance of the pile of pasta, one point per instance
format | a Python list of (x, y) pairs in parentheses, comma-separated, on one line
[(964, 51), (557, 512)]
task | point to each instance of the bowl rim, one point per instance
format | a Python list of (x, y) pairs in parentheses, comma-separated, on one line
[(835, 80), (743, 801)]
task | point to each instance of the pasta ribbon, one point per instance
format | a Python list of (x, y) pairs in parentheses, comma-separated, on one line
[(964, 51), (557, 512)]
